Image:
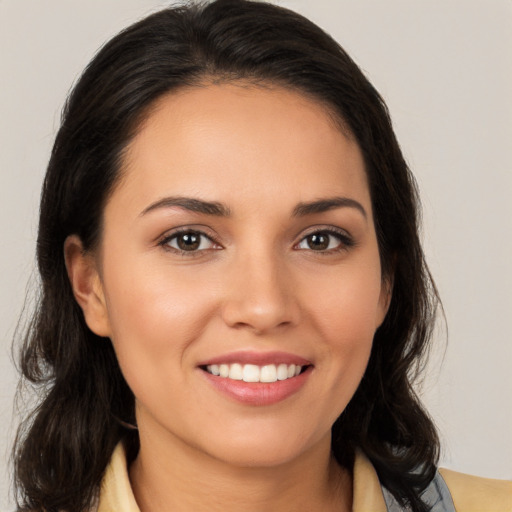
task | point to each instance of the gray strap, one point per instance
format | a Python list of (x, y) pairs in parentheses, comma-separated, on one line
[(436, 496)]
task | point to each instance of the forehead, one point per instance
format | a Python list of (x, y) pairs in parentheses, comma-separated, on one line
[(244, 144)]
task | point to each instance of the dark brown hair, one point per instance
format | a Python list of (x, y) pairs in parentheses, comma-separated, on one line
[(64, 445)]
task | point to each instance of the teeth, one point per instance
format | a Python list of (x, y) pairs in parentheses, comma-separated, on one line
[(235, 371), (254, 373), (282, 372), (268, 373), (251, 373)]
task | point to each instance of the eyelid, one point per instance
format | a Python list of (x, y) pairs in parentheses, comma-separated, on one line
[(164, 240), (345, 238)]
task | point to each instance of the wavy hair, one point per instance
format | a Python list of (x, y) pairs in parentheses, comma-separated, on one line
[(65, 443)]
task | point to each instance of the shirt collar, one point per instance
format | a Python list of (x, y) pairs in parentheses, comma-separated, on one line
[(116, 492)]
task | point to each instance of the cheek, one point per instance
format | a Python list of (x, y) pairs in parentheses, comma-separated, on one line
[(154, 300), (345, 311), (154, 317), (347, 305)]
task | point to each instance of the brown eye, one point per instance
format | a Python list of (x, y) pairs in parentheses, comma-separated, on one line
[(325, 241), (318, 241), (189, 241)]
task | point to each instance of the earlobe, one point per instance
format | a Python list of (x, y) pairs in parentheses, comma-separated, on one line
[(86, 285)]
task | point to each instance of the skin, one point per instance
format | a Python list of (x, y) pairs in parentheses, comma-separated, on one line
[(259, 286)]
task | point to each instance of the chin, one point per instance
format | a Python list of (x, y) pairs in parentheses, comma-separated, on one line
[(266, 449)]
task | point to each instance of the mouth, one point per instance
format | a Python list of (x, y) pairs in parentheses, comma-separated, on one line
[(255, 373), (257, 379)]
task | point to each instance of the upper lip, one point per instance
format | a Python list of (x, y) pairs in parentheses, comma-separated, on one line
[(257, 358)]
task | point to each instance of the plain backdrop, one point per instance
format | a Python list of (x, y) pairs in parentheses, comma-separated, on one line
[(445, 70)]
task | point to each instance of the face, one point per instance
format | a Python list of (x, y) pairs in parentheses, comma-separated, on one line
[(238, 276)]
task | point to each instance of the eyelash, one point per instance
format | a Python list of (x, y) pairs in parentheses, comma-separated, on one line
[(187, 231), (344, 239)]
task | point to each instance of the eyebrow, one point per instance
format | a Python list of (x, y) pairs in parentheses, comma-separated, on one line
[(324, 205), (191, 204), (220, 210)]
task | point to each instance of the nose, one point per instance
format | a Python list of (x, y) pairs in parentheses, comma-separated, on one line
[(260, 295)]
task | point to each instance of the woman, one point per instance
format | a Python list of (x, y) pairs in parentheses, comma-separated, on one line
[(234, 295)]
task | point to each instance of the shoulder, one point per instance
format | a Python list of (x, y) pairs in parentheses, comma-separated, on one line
[(477, 494)]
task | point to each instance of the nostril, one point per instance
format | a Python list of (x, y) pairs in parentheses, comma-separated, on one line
[(259, 317)]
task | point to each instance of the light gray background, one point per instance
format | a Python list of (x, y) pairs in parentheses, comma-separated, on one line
[(445, 69)]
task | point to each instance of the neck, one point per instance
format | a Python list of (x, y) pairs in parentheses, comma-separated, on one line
[(172, 476)]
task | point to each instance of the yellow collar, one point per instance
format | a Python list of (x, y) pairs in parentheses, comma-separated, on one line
[(116, 493)]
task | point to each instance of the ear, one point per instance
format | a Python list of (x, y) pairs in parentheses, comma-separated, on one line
[(87, 286), (386, 293)]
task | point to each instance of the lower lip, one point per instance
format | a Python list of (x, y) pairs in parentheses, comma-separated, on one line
[(259, 393)]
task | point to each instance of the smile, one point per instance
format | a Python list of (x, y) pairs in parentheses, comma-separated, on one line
[(255, 373), (257, 378)]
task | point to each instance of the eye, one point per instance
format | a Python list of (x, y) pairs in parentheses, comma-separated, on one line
[(189, 241), (325, 240)]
